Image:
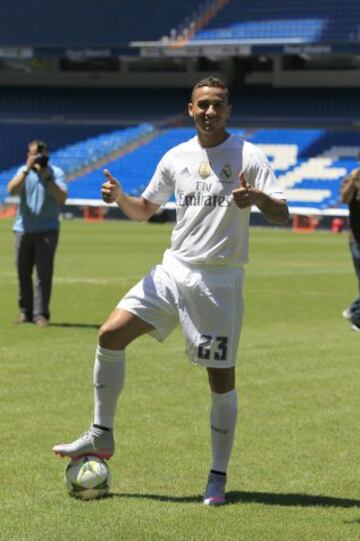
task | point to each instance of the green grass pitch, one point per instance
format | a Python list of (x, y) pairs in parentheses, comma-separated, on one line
[(294, 474)]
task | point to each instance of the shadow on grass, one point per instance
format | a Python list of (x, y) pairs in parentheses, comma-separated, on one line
[(157, 497), (76, 325), (289, 500), (266, 498)]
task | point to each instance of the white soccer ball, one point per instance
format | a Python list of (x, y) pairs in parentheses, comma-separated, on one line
[(88, 478)]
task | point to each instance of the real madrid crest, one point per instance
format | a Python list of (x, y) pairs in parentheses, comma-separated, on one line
[(205, 170), (226, 173)]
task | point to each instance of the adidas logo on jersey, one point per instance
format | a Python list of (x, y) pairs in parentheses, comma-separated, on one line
[(185, 171)]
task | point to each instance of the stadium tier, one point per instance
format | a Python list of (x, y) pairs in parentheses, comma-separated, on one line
[(112, 24), (73, 158), (309, 164), (89, 103), (261, 21), (72, 24), (131, 105), (134, 168), (16, 136), (295, 104)]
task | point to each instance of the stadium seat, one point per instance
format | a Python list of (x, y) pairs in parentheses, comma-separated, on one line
[(311, 178), (310, 163)]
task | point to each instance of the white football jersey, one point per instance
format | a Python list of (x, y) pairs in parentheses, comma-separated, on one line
[(210, 228)]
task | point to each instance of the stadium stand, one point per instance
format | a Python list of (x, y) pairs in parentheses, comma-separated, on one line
[(80, 24), (308, 122), (111, 24), (309, 163), (134, 168), (73, 159), (90, 103), (76, 112), (310, 21), (333, 106), (15, 137)]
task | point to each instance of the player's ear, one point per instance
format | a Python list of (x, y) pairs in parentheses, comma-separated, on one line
[(190, 109)]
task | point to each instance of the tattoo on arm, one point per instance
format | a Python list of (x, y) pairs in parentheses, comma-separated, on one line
[(275, 210)]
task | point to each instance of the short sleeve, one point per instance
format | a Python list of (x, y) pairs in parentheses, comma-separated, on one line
[(59, 177), (161, 186), (261, 175)]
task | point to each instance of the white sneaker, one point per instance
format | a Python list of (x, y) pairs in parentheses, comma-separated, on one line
[(215, 490), (95, 442), (355, 327)]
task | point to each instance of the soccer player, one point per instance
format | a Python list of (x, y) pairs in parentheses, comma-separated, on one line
[(216, 178)]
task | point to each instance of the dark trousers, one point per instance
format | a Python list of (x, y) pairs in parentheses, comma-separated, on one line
[(35, 250), (355, 307)]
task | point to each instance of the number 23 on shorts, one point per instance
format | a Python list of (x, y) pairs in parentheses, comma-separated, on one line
[(206, 351)]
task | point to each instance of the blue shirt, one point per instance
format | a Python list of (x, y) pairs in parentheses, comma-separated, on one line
[(38, 210)]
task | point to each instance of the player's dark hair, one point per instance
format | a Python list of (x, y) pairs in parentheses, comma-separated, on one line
[(40, 145), (212, 82)]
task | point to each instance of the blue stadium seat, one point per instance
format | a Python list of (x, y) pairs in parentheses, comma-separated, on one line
[(310, 164), (73, 158), (16, 135)]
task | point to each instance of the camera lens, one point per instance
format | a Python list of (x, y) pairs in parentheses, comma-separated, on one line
[(42, 160)]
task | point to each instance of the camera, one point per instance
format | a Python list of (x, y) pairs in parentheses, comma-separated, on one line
[(41, 160)]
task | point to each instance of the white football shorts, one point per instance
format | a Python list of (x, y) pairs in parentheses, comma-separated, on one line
[(206, 302)]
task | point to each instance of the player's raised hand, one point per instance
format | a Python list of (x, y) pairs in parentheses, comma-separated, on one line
[(111, 189), (244, 195)]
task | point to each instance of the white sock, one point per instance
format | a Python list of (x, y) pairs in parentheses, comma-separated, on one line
[(109, 376), (223, 422)]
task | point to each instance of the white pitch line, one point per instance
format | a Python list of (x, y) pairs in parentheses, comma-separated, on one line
[(7, 278), (297, 272), (94, 281)]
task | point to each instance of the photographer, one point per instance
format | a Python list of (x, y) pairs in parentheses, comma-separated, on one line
[(41, 189)]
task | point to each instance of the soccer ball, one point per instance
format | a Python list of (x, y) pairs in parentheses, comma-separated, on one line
[(88, 478)]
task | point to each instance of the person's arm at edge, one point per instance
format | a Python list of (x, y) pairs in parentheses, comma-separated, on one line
[(348, 187), (138, 209)]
